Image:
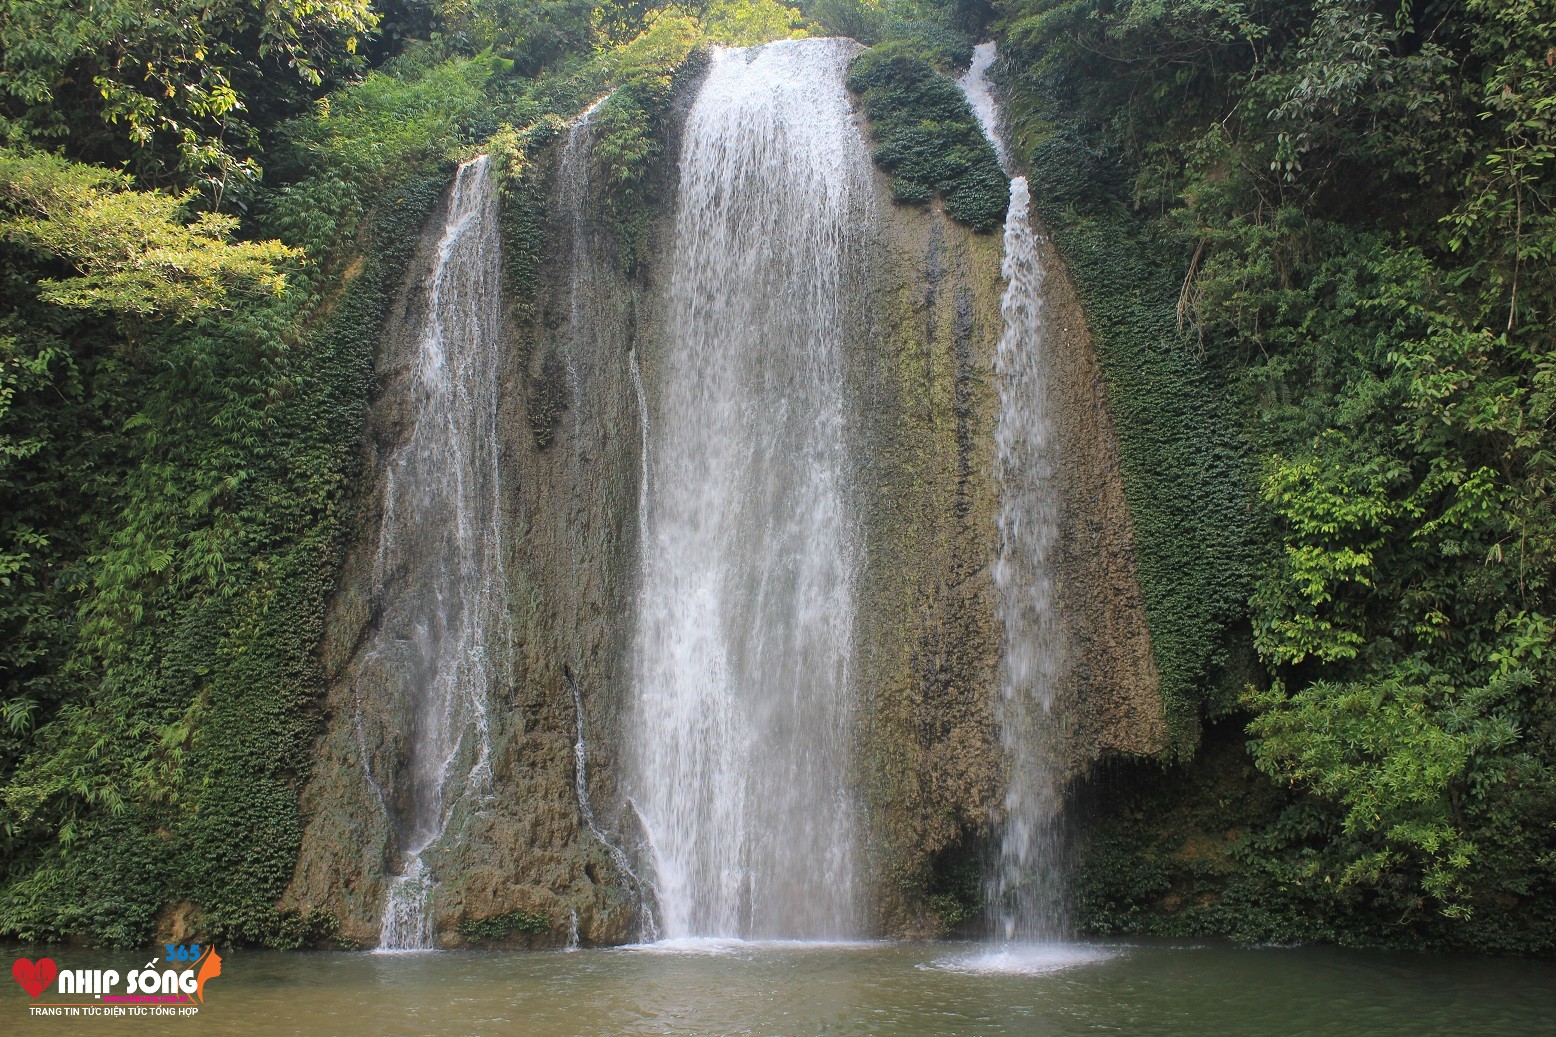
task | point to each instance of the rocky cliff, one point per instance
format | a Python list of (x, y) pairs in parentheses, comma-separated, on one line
[(549, 854)]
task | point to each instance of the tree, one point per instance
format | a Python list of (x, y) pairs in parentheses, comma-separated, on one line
[(133, 253), (177, 88)]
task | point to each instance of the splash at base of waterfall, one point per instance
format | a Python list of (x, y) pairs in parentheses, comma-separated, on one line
[(1024, 959), (702, 946), (408, 911)]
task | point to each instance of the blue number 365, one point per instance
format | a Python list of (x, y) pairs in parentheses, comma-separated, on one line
[(182, 951)]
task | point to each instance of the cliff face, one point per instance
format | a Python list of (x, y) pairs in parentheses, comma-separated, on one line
[(348, 840), (525, 865), (928, 647), (930, 644), (574, 457), (529, 864), (1111, 701)]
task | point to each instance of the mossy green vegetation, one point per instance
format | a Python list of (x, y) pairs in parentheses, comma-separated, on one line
[(1214, 848), (1314, 240), (181, 92), (927, 137), (165, 749), (1344, 206), (184, 372), (938, 31), (1187, 476), (504, 927)]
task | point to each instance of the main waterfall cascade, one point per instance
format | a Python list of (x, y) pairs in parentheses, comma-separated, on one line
[(742, 715), (447, 629), (1025, 887)]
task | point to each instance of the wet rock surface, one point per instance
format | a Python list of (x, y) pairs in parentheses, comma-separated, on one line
[(923, 404)]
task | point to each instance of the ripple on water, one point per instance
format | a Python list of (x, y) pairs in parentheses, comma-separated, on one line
[(694, 945), (1023, 959)]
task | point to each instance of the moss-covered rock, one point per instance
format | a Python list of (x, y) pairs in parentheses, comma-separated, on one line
[(923, 372), (927, 137), (923, 326), (497, 928)]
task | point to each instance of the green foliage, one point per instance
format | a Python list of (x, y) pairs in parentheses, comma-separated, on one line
[(631, 122), (532, 34), (861, 20), (171, 86), (1212, 848), (1504, 223), (935, 30), (956, 888), (1355, 199), (1186, 475), (173, 494), (653, 56), (1399, 754), (927, 137), (1338, 519), (170, 772), (134, 252), (625, 145), (174, 480), (41, 389), (503, 927), (363, 137), (746, 23)]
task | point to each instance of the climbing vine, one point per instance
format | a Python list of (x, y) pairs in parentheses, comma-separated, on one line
[(927, 137)]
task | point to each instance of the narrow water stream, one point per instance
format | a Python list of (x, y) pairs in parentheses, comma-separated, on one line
[(1026, 887), (440, 548)]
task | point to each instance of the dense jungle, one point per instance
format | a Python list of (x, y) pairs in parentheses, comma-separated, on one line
[(1312, 244)]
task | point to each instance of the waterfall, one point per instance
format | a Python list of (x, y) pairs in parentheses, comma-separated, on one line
[(980, 95), (440, 543), (1025, 886), (742, 724), (573, 203)]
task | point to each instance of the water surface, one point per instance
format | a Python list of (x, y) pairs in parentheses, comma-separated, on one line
[(710, 987)]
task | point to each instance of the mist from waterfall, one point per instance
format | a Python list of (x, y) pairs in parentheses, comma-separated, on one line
[(1026, 884), (741, 725), (440, 543)]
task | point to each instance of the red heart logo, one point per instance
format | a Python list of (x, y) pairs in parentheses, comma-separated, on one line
[(34, 978)]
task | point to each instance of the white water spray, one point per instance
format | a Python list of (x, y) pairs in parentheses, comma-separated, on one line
[(1025, 888), (742, 718), (442, 489)]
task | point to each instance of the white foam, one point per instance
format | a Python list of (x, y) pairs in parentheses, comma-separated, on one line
[(1024, 959), (705, 945)]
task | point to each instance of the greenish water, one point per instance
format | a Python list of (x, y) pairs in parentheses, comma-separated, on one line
[(904, 990)]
